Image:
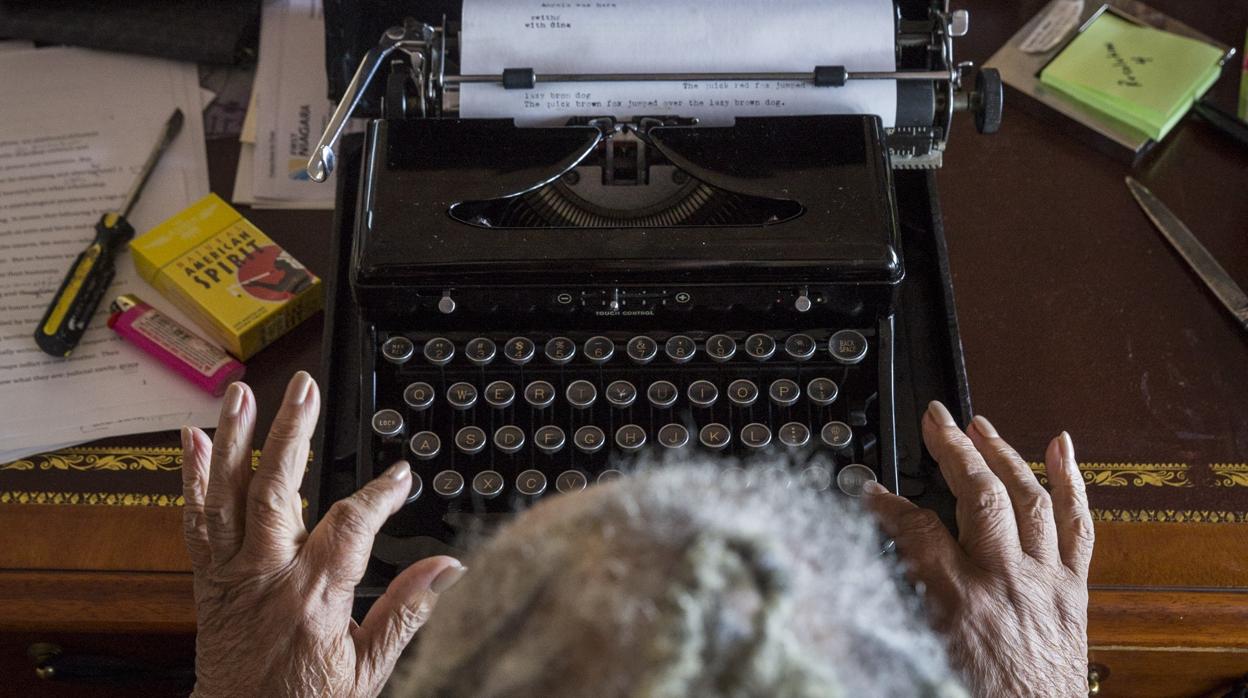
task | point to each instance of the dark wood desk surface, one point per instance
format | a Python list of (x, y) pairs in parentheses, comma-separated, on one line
[(1075, 315)]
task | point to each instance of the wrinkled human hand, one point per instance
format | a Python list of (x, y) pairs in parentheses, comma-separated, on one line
[(1010, 595), (273, 602)]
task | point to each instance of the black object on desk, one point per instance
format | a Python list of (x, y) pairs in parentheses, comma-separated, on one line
[(1235, 128), (221, 31)]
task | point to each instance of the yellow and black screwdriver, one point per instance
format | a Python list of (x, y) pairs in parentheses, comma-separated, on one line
[(92, 272)]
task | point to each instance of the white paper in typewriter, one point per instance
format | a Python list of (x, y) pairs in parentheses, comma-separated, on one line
[(666, 36)]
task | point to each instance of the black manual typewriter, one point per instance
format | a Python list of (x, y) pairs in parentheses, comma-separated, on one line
[(517, 311)]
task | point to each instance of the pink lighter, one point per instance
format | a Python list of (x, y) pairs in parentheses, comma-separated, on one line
[(195, 359)]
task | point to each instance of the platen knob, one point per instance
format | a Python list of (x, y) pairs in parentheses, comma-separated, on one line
[(987, 101)]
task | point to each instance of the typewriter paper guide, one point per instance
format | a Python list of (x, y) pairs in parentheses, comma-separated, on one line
[(666, 36)]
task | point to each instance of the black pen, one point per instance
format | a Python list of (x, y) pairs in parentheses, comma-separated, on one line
[(1224, 122), (79, 295)]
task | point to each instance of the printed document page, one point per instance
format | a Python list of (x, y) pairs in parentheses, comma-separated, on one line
[(674, 36), (291, 110), (61, 167)]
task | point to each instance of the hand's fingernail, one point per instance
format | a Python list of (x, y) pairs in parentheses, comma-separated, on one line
[(233, 400), (1068, 451), (447, 578), (298, 389), (873, 487), (983, 426), (399, 471), (940, 414), (1053, 452), (188, 442)]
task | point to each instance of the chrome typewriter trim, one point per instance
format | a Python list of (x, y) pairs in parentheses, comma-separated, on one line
[(421, 64)]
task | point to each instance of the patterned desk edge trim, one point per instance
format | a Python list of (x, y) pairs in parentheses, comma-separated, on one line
[(118, 458), (168, 459), (149, 500), (1124, 474)]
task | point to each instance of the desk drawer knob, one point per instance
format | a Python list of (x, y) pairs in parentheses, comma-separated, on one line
[(1096, 674)]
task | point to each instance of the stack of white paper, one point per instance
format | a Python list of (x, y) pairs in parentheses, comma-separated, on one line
[(288, 111), (75, 128)]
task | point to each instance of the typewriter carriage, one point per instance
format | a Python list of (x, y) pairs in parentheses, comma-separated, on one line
[(419, 64)]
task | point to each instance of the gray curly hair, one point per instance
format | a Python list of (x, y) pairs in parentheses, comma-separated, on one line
[(676, 582)]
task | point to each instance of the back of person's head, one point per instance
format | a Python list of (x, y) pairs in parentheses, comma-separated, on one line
[(681, 581)]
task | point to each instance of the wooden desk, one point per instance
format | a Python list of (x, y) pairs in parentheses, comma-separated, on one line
[(1075, 314)]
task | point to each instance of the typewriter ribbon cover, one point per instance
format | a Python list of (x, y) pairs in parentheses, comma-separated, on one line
[(662, 36)]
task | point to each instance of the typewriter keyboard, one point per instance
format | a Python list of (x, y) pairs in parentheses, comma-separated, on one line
[(492, 422)]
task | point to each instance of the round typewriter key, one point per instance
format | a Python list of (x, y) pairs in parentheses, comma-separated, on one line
[(487, 483), (418, 488), (837, 434), (509, 439), (630, 437), (539, 394), (387, 423), (462, 396), (800, 347), (742, 392), (822, 391), (642, 349), (609, 475), (439, 351), (500, 394), (519, 350), (560, 350), (549, 439), (760, 346), (589, 439), (398, 349), (784, 392), (448, 483), (680, 348), (794, 434), (480, 351), (714, 435), (853, 477), (755, 435), (720, 347), (418, 396), (702, 393), (621, 394), (531, 483), (848, 346), (425, 445), (599, 349), (581, 394), (673, 436), (571, 481), (817, 478), (662, 394), (470, 440)]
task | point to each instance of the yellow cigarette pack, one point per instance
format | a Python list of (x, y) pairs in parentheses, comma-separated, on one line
[(239, 286)]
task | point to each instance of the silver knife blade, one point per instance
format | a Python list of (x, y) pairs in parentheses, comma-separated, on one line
[(1198, 258)]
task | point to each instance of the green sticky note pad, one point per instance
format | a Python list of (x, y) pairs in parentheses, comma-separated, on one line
[(1142, 76)]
